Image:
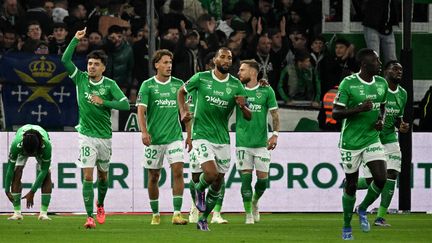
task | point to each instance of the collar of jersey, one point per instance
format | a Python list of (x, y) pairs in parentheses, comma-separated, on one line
[(361, 80), (253, 88), (394, 92), (219, 80), (97, 83), (160, 82)]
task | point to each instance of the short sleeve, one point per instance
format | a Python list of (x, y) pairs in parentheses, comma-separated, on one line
[(143, 95), (192, 83), (271, 100), (342, 95)]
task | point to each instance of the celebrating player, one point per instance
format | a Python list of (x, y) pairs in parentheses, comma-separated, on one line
[(30, 141), (97, 95), (251, 138), (360, 102), (217, 94), (396, 101), (161, 132)]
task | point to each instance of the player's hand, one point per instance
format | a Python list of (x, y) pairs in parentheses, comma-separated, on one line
[(96, 100), (146, 138), (263, 82), (404, 127), (379, 125), (366, 105), (241, 101), (9, 196), (29, 196), (188, 144), (272, 142), (186, 116), (80, 33)]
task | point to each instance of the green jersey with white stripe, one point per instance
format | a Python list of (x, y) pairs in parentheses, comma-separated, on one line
[(395, 106), (253, 133), (94, 119), (214, 103), (358, 131), (160, 98)]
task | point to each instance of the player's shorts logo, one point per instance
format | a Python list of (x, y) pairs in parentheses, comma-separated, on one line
[(149, 162), (349, 166)]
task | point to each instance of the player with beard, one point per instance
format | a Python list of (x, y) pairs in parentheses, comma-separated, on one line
[(252, 143), (396, 101), (96, 96), (360, 102), (217, 94)]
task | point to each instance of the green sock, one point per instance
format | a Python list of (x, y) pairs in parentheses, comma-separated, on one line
[(102, 191), (192, 190), (211, 198), (246, 191), (154, 204), (46, 198), (202, 184), (16, 201), (177, 202), (386, 197), (348, 207), (362, 184), (218, 206), (260, 187), (88, 195), (371, 195)]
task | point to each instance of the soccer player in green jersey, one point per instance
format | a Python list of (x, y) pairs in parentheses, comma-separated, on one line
[(360, 102), (396, 101), (96, 95), (217, 94), (29, 141), (161, 132), (252, 143)]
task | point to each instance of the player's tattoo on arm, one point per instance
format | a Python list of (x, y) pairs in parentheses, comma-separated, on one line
[(275, 119)]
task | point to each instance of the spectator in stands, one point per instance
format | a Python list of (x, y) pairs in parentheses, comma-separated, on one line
[(60, 10), (209, 39), (42, 48), (49, 7), (337, 65), (83, 46), (11, 12), (378, 21), (235, 48), (298, 42), (120, 58), (36, 12), (9, 41), (58, 42), (298, 81), (296, 22), (77, 17), (170, 39), (95, 41), (283, 9), (188, 56), (33, 36), (264, 11), (174, 16), (318, 51)]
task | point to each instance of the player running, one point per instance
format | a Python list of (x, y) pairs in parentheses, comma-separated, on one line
[(360, 102), (96, 95), (251, 138), (29, 141), (161, 132), (217, 94), (396, 101)]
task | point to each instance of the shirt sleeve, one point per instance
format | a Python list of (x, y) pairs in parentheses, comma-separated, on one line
[(192, 83), (143, 95), (241, 90), (342, 95), (271, 100)]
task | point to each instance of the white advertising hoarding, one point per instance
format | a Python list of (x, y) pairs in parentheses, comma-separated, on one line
[(305, 176)]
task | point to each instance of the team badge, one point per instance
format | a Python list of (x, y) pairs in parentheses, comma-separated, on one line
[(173, 90), (228, 90), (102, 91), (259, 95), (380, 91)]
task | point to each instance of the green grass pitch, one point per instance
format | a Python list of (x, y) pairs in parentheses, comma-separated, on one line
[(287, 227)]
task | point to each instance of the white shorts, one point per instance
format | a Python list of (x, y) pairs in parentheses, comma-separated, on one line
[(248, 158), (351, 159), (393, 159), (194, 165), (22, 161), (155, 154), (220, 153), (94, 152)]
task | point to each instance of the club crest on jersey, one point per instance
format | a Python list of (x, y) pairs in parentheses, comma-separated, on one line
[(259, 95), (173, 90), (380, 91), (228, 90), (102, 91)]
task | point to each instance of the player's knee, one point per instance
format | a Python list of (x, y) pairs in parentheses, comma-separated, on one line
[(154, 177), (379, 182), (211, 176), (351, 187), (178, 174), (195, 177), (392, 174)]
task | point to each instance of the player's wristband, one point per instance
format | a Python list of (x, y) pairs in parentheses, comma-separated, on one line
[(276, 133)]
